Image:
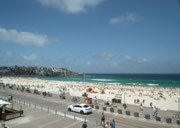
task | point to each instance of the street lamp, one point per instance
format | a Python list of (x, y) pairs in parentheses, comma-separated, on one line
[(124, 105), (124, 96), (178, 103), (178, 113)]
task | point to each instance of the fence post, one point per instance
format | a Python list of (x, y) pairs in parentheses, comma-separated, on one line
[(97, 124), (74, 117), (12, 106), (56, 112), (20, 108), (3, 110)]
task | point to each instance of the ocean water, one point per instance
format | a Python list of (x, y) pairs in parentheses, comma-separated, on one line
[(153, 80)]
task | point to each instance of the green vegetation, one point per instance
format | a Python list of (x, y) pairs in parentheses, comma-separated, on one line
[(36, 71)]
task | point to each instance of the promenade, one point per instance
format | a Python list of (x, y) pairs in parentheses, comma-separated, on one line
[(40, 112)]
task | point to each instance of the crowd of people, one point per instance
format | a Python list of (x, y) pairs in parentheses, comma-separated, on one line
[(103, 123), (24, 89), (112, 124), (107, 124)]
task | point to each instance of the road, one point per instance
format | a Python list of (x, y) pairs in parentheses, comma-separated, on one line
[(60, 105)]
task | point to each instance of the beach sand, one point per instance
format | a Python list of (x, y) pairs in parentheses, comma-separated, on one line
[(163, 98)]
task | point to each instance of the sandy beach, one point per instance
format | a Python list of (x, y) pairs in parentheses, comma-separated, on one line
[(163, 98)]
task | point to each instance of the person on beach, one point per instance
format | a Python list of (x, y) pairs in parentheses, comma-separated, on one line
[(151, 104), (95, 100), (107, 125), (84, 125), (103, 119), (113, 124), (10, 97), (137, 101), (22, 89), (3, 86), (154, 112), (141, 107), (143, 101)]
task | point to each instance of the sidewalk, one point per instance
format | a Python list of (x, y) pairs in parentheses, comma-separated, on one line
[(37, 118)]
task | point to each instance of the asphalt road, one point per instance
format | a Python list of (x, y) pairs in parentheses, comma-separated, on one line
[(60, 105), (53, 104)]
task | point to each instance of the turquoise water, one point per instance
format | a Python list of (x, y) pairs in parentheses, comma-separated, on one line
[(154, 80)]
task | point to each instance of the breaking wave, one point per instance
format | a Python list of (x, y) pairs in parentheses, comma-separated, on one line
[(153, 84), (103, 80)]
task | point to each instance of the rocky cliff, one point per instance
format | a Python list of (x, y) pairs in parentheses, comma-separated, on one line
[(36, 71)]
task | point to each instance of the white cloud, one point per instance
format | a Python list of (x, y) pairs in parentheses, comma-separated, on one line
[(70, 6), (144, 60), (128, 57), (11, 59), (8, 54), (65, 60), (30, 57), (89, 63), (115, 65), (104, 56), (124, 19), (24, 38)]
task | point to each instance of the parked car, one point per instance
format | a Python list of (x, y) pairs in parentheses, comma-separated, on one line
[(81, 108)]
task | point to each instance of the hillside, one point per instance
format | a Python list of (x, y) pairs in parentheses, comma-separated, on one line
[(36, 71)]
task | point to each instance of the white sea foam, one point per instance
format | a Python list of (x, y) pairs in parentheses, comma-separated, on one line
[(132, 83), (103, 80), (152, 84), (115, 83), (140, 84)]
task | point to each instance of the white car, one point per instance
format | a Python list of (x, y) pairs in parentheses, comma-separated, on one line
[(81, 108)]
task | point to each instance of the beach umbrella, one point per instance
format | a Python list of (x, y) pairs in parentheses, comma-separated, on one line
[(160, 93), (90, 89), (96, 90), (2, 102)]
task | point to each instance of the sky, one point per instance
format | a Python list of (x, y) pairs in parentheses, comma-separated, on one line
[(92, 36)]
